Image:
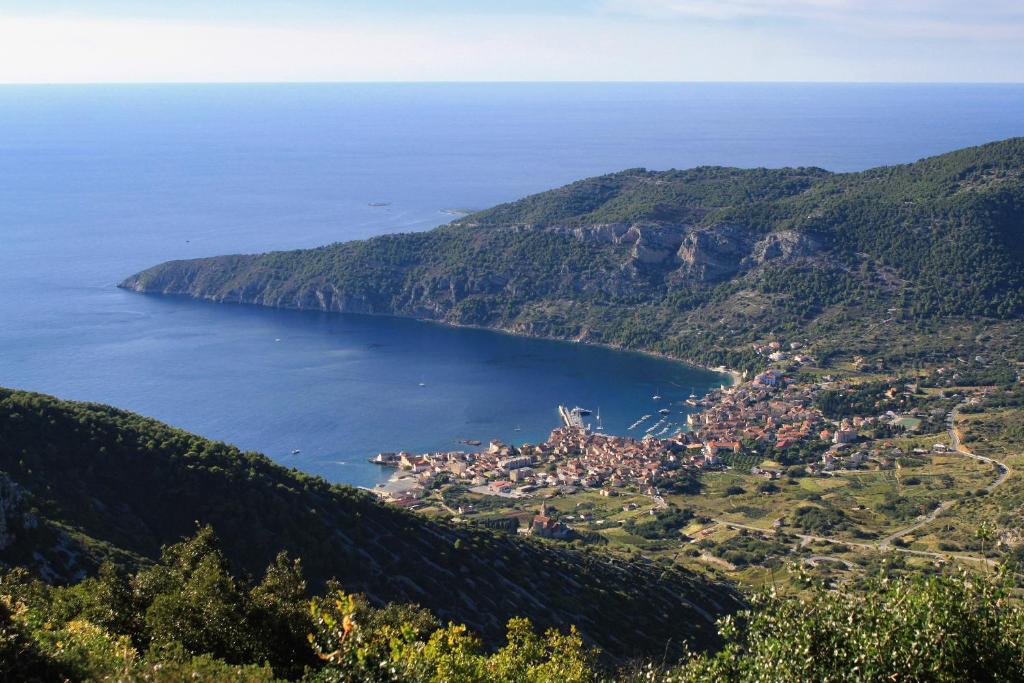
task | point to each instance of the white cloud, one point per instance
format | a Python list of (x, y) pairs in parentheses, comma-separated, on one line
[(604, 46), (957, 19), (724, 10)]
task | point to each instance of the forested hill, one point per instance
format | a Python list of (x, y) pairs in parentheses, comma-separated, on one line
[(667, 260), (80, 482)]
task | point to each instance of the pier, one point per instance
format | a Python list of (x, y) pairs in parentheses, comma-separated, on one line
[(573, 417)]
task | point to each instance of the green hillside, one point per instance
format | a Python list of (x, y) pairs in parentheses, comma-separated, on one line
[(82, 482), (665, 261)]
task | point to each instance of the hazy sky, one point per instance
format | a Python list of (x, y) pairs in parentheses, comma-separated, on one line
[(497, 40)]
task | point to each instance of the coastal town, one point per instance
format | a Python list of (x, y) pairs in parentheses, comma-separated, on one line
[(793, 462), (766, 410)]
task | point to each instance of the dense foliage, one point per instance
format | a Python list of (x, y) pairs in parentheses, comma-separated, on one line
[(943, 628), (188, 617), (667, 523), (81, 483)]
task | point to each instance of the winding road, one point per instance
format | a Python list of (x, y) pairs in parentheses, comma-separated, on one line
[(885, 544)]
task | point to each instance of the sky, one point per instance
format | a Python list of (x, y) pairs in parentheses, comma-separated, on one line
[(90, 41)]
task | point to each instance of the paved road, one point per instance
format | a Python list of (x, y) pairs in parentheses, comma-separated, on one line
[(1003, 468), (885, 544)]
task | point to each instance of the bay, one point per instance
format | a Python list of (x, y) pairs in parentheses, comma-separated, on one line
[(97, 182)]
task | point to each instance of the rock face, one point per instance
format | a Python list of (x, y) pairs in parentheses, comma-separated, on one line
[(657, 245), (785, 245), (714, 254)]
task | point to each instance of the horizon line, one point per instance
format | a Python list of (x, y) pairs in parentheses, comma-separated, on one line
[(502, 82)]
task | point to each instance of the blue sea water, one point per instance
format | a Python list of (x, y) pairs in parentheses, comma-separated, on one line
[(97, 182)]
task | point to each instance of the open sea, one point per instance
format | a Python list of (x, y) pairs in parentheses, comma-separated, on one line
[(98, 182)]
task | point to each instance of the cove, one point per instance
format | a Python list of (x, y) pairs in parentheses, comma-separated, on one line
[(340, 388)]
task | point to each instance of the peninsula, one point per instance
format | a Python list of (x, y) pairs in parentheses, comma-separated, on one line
[(699, 265)]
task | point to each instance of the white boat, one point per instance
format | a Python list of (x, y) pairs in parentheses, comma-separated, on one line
[(296, 451)]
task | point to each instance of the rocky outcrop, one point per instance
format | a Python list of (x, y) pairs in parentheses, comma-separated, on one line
[(784, 246), (657, 245), (715, 253)]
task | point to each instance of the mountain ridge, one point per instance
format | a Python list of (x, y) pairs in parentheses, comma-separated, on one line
[(663, 260)]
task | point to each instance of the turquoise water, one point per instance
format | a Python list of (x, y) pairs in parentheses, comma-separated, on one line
[(97, 182)]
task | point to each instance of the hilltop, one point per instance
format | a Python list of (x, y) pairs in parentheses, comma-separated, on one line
[(666, 261), (81, 483)]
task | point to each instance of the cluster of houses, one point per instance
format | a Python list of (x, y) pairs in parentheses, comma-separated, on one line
[(764, 411), (572, 456), (778, 352)]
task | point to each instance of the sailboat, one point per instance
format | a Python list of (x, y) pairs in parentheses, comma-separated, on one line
[(600, 427)]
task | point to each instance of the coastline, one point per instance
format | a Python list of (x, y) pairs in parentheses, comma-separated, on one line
[(399, 481), (735, 376)]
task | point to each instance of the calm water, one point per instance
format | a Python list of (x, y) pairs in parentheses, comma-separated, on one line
[(99, 182)]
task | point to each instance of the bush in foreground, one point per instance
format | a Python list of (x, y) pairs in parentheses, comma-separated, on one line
[(958, 627), (189, 618)]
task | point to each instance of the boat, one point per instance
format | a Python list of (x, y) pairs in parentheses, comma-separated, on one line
[(638, 422), (296, 451), (656, 397), (423, 384), (664, 411)]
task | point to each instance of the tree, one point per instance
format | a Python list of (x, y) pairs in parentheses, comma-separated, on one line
[(941, 628)]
